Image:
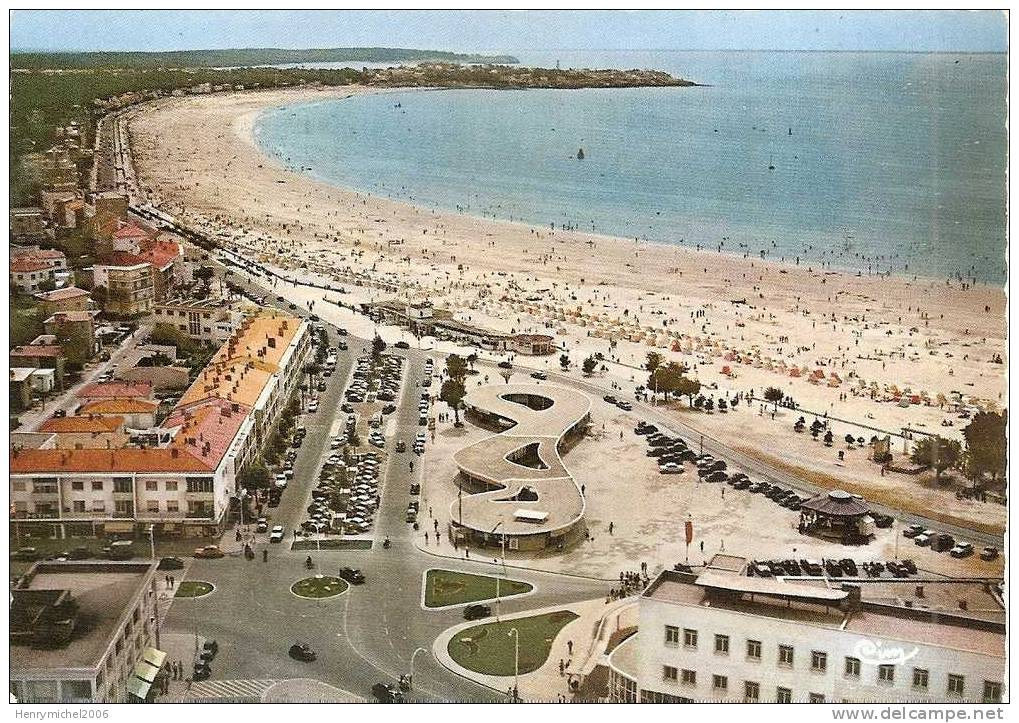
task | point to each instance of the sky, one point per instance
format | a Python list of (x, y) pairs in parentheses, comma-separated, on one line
[(474, 31)]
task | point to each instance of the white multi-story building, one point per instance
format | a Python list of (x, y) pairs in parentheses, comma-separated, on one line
[(723, 636), (79, 629), (184, 485)]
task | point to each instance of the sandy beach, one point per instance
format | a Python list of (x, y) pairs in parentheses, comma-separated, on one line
[(740, 324)]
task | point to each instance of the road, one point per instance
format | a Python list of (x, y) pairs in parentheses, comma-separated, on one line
[(369, 633), (67, 400)]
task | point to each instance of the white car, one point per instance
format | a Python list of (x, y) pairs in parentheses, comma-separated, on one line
[(670, 468), (313, 406), (277, 534)]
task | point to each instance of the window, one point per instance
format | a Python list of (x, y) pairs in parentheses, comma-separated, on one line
[(719, 682), (992, 692), (785, 655), (722, 644), (171, 485), (124, 507), (152, 506), (98, 506), (97, 485), (886, 673), (44, 485), (818, 661), (689, 677), (78, 485), (151, 485), (670, 673), (199, 484), (754, 649), (76, 690), (122, 484), (783, 695), (816, 697), (751, 691), (671, 635), (852, 667), (956, 684), (689, 638), (78, 505), (172, 506), (920, 678), (18, 485)]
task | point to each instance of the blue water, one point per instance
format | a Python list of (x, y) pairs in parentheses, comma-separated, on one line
[(882, 162)]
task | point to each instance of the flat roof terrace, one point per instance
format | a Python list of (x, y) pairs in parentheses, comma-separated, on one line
[(105, 593), (526, 455)]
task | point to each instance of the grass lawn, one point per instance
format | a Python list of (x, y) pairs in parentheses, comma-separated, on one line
[(319, 586), (446, 587), (193, 588), (489, 648)]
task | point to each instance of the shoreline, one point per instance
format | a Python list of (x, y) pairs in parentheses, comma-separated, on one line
[(702, 249)]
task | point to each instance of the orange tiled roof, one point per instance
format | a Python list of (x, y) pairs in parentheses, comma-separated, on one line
[(116, 390), (37, 350), (126, 460), (21, 266), (70, 292), (81, 424), (207, 428), (131, 231), (118, 406)]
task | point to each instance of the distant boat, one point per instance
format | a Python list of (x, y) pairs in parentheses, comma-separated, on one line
[(397, 105), (790, 130), (580, 154), (771, 164)]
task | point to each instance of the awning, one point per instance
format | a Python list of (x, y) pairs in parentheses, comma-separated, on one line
[(138, 687), (154, 657), (118, 526), (145, 671), (530, 515)]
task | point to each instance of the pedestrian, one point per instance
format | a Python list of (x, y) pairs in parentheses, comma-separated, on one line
[(583, 489), (562, 666), (426, 538), (436, 524), (611, 525), (467, 552), (569, 647)]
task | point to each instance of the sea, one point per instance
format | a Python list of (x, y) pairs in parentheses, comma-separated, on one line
[(871, 162)]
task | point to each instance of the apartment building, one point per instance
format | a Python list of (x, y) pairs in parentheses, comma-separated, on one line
[(723, 636), (182, 486), (69, 298), (207, 320), (98, 623), (29, 275), (129, 289)]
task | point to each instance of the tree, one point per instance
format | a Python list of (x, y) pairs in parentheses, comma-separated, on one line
[(378, 346), (564, 362), (255, 476), (688, 387), (589, 366), (452, 393), (829, 438), (101, 295), (937, 454), (986, 445), (456, 368), (654, 360), (472, 359), (774, 394)]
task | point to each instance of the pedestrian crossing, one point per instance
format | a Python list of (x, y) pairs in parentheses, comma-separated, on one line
[(227, 691)]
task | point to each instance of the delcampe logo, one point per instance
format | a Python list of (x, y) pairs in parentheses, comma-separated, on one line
[(878, 652)]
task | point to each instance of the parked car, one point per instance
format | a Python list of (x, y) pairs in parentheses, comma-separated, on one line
[(624, 405), (402, 345), (277, 534), (505, 365), (942, 542), (912, 531), (302, 651), (922, 540), (963, 549), (670, 468), (209, 552), (477, 612), (542, 376), (401, 446), (989, 553), (26, 554), (610, 398), (352, 575), (170, 563), (387, 693)]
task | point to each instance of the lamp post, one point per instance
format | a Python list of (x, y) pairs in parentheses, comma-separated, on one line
[(410, 678), (152, 543), (516, 660), (498, 579)]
